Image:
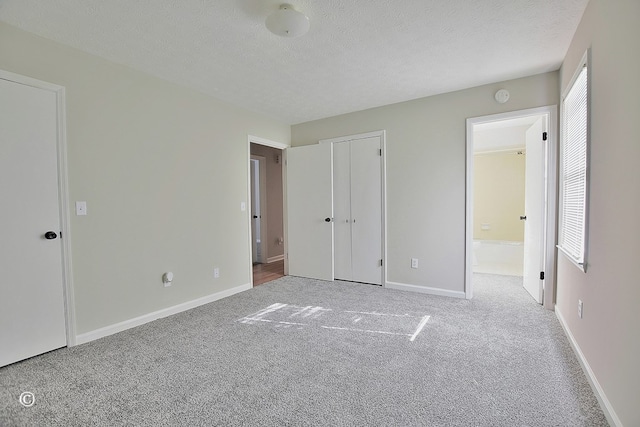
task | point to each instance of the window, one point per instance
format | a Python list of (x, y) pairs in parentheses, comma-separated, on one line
[(574, 144)]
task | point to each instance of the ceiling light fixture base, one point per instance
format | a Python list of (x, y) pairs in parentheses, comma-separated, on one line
[(287, 22)]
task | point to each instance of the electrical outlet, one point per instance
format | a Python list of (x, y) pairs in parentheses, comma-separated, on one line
[(216, 273), (414, 262), (580, 308)]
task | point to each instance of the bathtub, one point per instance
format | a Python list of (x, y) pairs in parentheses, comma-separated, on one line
[(498, 257)]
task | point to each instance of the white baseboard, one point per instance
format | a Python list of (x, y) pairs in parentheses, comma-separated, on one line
[(611, 415), (425, 290), (149, 317), (275, 258)]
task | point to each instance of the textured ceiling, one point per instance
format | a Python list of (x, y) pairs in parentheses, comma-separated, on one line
[(358, 54)]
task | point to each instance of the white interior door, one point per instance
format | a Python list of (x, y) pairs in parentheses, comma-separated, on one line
[(310, 211), (534, 206), (366, 210), (32, 315)]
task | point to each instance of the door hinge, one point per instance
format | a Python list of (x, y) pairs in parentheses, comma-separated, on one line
[(380, 152), (381, 263), (542, 275), (544, 136)]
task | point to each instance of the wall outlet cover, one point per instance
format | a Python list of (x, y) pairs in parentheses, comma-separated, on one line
[(81, 208)]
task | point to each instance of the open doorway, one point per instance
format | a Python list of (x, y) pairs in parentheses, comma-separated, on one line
[(267, 212), (511, 199)]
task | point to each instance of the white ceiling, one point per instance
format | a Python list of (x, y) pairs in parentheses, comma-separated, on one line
[(358, 54), (499, 139), (502, 135)]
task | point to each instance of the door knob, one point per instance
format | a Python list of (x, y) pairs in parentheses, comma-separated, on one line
[(255, 216), (50, 235), (523, 218), (327, 219)]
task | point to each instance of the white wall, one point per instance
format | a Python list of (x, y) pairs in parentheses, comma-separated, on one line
[(163, 170), (609, 333), (426, 171)]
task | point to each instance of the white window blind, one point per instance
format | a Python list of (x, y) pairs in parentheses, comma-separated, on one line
[(573, 164)]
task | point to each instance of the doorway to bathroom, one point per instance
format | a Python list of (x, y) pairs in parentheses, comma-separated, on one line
[(511, 199)]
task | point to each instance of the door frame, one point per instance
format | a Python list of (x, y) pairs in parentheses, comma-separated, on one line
[(252, 139), (63, 195), (383, 164), (549, 228)]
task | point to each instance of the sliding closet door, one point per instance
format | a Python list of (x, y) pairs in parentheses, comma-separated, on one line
[(366, 210), (310, 211), (342, 209)]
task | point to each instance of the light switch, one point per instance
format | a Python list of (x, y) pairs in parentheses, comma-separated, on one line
[(81, 208), (243, 206)]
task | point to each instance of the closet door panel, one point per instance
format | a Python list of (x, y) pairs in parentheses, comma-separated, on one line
[(366, 210), (342, 210)]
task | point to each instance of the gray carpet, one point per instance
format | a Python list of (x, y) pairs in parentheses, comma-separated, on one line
[(496, 360)]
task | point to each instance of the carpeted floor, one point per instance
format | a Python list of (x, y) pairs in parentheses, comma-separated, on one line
[(338, 354)]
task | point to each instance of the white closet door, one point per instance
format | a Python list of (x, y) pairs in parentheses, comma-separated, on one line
[(310, 211), (342, 209), (366, 210)]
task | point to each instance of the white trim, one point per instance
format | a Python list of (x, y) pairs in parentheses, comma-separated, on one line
[(384, 210), (606, 406), (165, 312), (285, 212), (65, 219), (512, 150), (267, 142), (275, 258), (468, 247), (425, 290), (585, 61), (274, 144), (570, 258), (63, 191), (29, 81), (551, 192), (372, 134)]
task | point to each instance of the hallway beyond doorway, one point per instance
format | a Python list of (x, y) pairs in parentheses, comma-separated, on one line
[(263, 273)]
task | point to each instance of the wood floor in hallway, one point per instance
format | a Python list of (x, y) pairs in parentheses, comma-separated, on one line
[(263, 273)]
